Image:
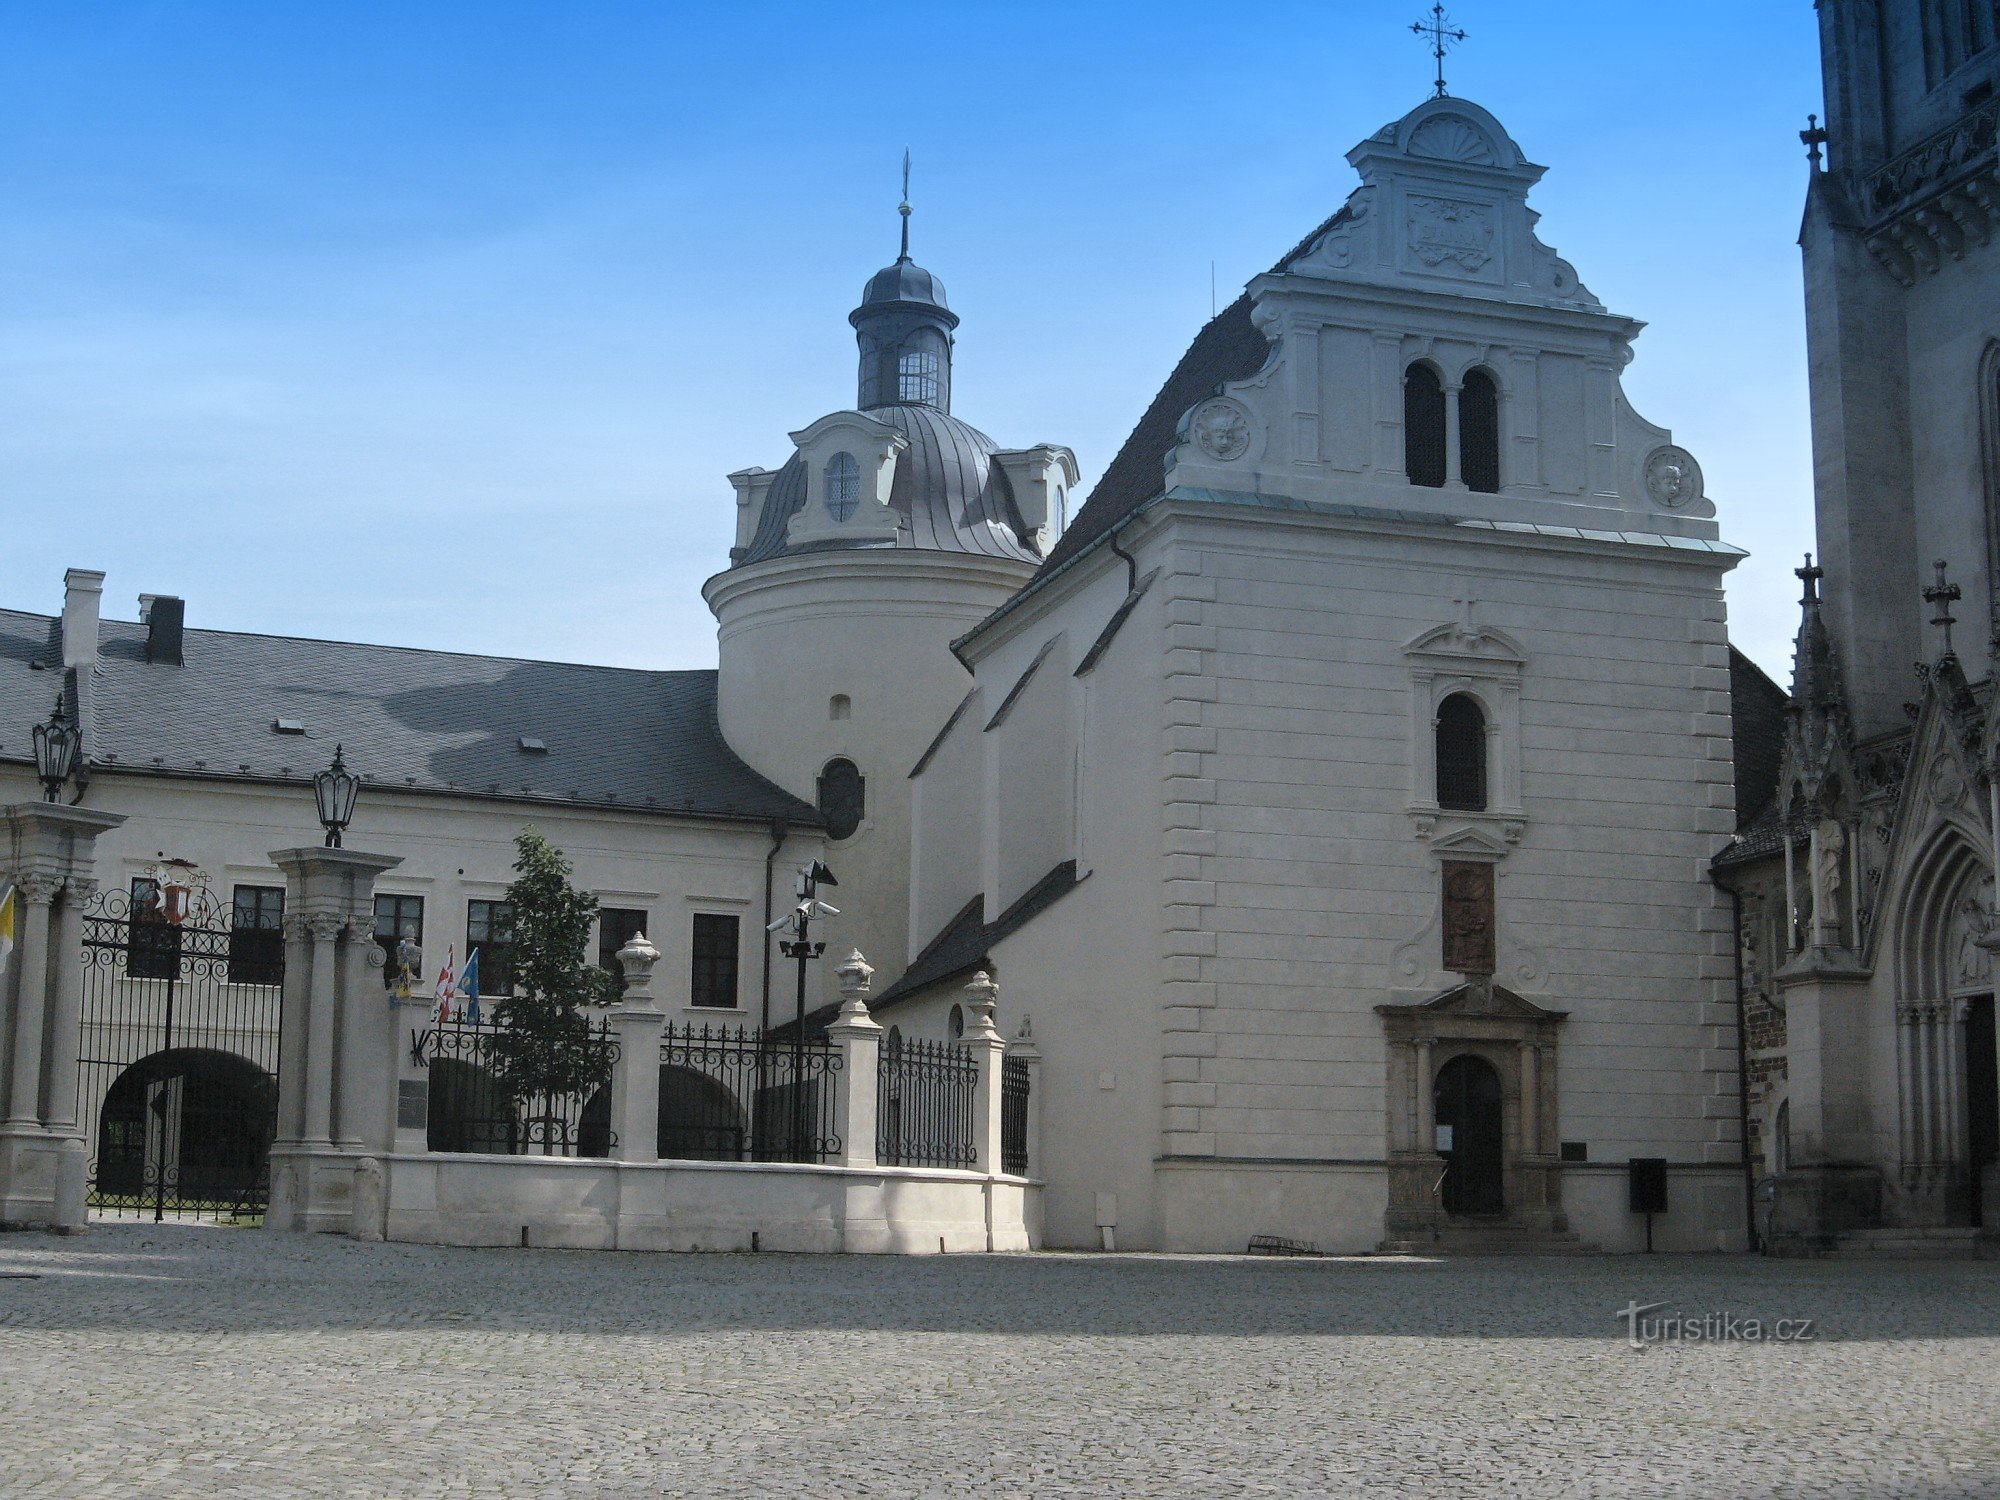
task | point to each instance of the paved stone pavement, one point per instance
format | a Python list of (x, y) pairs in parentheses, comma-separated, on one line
[(184, 1360)]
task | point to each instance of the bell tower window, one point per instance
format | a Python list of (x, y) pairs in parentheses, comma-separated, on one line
[(1479, 433), (1461, 754), (1423, 427), (917, 377), (843, 486)]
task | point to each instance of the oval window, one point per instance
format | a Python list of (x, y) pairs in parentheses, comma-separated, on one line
[(843, 798), (843, 486)]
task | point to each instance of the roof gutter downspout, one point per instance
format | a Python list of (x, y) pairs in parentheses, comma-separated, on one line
[(1131, 562), (779, 829)]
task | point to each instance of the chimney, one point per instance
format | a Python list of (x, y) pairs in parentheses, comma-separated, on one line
[(163, 614), (83, 596)]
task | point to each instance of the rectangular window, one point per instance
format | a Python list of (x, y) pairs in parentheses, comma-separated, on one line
[(489, 932), (396, 918), (152, 943), (257, 935), (617, 926), (713, 982)]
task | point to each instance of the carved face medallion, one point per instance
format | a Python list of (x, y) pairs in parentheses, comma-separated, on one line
[(1673, 478), (1221, 429)]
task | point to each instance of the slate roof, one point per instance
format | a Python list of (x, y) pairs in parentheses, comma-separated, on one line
[(1757, 717), (963, 946), (950, 494), (1227, 348), (965, 943), (410, 720)]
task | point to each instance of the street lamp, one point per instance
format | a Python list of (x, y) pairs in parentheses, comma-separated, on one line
[(55, 752), (335, 790), (802, 948)]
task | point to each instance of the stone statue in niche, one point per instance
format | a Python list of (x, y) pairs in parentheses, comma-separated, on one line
[(1469, 925), (1827, 877)]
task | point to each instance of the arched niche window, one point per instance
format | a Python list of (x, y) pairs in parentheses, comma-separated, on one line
[(840, 706), (1479, 433), (917, 376), (843, 798), (843, 486), (1423, 426), (955, 1022), (1461, 754)]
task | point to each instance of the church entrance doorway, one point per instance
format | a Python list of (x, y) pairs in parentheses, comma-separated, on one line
[(1982, 1099), (1469, 1118)]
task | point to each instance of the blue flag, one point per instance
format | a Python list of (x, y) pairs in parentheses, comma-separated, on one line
[(468, 985)]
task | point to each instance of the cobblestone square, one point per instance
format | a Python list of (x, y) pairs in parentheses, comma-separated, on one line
[(176, 1360)]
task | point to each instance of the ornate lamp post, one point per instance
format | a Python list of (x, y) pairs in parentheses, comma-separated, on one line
[(335, 789), (800, 946), (55, 752)]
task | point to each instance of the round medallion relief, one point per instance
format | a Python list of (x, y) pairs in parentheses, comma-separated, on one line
[(1673, 478), (1221, 429)]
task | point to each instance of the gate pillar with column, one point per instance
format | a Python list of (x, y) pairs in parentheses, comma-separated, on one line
[(337, 1061), (48, 855)]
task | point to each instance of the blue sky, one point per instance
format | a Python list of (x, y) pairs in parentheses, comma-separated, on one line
[(440, 323)]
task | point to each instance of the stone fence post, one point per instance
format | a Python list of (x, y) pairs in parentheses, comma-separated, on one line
[(1022, 1049), (635, 1077), (858, 1038), (48, 855), (338, 1038), (988, 1048)]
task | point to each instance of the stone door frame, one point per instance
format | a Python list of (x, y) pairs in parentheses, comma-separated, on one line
[(1519, 1039)]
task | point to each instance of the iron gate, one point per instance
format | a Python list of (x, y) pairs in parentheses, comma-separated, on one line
[(178, 1055)]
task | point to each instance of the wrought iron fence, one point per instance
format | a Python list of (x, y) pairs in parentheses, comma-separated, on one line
[(923, 1107), (470, 1110), (728, 1093), (1014, 1116)]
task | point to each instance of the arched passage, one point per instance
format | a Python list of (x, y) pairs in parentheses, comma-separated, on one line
[(700, 1119), (187, 1130)]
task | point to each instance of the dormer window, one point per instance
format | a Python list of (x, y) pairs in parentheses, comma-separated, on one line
[(917, 377), (843, 486)]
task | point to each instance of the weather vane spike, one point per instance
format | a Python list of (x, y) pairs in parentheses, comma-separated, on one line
[(904, 207), (1441, 36)]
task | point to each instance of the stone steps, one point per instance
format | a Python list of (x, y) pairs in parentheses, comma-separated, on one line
[(1912, 1242), (1476, 1238)]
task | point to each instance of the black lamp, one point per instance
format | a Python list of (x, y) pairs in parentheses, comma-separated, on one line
[(335, 790), (55, 752)]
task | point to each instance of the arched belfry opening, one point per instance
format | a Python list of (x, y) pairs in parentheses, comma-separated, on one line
[(1479, 432), (1423, 427)]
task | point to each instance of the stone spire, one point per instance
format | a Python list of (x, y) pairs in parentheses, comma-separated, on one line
[(1817, 733)]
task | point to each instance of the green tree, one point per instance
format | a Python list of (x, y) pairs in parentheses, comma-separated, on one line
[(544, 1043)]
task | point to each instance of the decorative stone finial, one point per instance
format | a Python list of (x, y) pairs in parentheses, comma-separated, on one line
[(1942, 595), (856, 974), (637, 958), (981, 994)]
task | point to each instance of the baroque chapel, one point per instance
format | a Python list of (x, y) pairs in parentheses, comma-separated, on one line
[(1357, 803)]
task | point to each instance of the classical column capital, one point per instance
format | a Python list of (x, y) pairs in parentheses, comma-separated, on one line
[(325, 926), (37, 889)]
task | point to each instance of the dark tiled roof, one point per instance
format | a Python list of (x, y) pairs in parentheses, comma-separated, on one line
[(961, 947), (951, 495), (964, 944), (1757, 716), (1229, 347), (410, 720)]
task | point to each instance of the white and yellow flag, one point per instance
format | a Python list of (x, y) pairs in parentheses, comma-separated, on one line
[(6, 927)]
